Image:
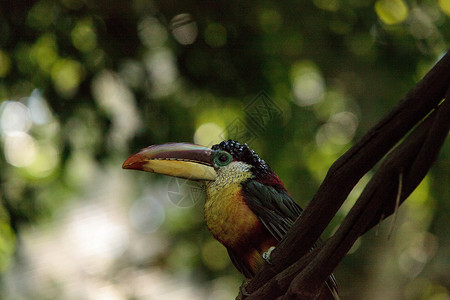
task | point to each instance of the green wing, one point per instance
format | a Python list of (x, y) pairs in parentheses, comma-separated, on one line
[(275, 209)]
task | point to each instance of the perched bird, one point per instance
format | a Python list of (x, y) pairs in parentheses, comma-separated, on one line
[(247, 207)]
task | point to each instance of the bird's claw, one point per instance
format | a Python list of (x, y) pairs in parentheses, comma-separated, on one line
[(266, 255), (242, 290)]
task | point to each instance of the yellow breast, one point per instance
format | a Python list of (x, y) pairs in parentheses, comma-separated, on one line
[(226, 214)]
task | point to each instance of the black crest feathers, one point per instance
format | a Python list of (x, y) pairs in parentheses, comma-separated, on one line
[(242, 152)]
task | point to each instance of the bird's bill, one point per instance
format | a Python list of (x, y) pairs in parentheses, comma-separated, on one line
[(177, 159)]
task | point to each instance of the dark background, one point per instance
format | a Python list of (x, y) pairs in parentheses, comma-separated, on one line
[(83, 84)]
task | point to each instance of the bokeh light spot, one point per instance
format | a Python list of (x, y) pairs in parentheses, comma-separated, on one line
[(45, 162), (307, 83), (391, 12), (39, 110), (97, 237), (20, 149), (83, 36), (152, 33), (421, 247), (335, 101), (132, 72), (337, 132), (45, 52), (208, 134), (184, 29), (344, 126), (420, 24), (445, 6), (66, 75), (14, 117), (115, 98), (163, 72)]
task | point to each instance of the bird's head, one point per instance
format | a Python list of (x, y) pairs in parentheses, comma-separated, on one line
[(195, 162)]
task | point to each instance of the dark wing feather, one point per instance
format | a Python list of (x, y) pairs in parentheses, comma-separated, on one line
[(277, 211)]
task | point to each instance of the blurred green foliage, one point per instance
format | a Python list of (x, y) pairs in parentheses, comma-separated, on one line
[(83, 84)]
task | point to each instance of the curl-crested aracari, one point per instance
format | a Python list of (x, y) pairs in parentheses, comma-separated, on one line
[(247, 207)]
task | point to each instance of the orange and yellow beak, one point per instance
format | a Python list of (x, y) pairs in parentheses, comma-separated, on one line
[(176, 159)]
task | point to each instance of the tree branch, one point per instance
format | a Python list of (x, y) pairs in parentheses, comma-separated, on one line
[(380, 192), (413, 158)]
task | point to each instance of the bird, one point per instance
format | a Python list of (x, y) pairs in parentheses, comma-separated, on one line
[(247, 207)]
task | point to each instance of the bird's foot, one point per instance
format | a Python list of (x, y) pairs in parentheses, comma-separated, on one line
[(242, 290), (266, 255)]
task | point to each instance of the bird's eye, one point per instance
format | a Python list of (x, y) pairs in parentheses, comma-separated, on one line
[(223, 159)]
